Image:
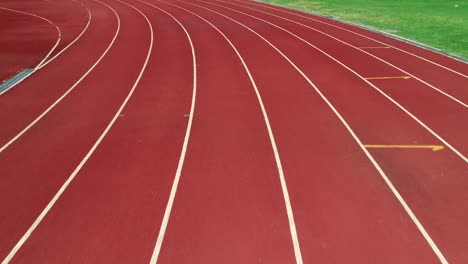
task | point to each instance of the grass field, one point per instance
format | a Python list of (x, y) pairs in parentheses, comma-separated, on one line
[(442, 24)]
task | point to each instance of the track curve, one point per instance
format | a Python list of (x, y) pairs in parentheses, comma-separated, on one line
[(177, 131)]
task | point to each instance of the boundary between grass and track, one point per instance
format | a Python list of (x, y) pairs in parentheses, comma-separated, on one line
[(357, 48), (375, 30), (457, 152)]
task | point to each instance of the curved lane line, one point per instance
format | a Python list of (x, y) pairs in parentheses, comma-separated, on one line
[(359, 49), (367, 37), (356, 138), (73, 42), (70, 89), (50, 51), (44, 63), (292, 225), (175, 184), (91, 151), (458, 153)]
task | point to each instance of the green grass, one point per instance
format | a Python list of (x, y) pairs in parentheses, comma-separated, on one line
[(442, 24)]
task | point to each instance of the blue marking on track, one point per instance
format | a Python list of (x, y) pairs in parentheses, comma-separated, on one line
[(15, 79)]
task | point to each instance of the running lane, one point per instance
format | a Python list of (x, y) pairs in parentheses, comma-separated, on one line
[(217, 107), (127, 181), (229, 205), (331, 207), (435, 190), (117, 178), (20, 106), (71, 16), (39, 162), (27, 39), (16, 33)]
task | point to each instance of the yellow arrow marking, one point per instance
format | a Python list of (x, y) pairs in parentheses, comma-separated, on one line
[(381, 47), (433, 147), (390, 77)]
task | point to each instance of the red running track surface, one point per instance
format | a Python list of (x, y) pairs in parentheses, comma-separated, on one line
[(30, 29), (226, 132)]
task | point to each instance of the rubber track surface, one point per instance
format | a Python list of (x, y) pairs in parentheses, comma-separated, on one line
[(203, 131)]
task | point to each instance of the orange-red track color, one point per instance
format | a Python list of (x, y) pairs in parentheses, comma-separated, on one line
[(229, 131)]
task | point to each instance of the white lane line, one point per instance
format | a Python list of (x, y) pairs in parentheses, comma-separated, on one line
[(41, 65), (70, 89), (361, 50), (73, 42), (367, 37), (358, 141), (44, 63), (59, 33), (292, 225), (91, 151), (361, 77), (175, 184)]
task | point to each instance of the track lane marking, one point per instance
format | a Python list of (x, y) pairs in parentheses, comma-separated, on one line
[(453, 98), (59, 33), (380, 47), (364, 36), (40, 66), (175, 183), (48, 21), (292, 225), (91, 151), (11, 141), (458, 153), (389, 77), (73, 42), (432, 147), (403, 203)]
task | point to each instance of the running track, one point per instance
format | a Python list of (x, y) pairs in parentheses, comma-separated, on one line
[(202, 131)]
